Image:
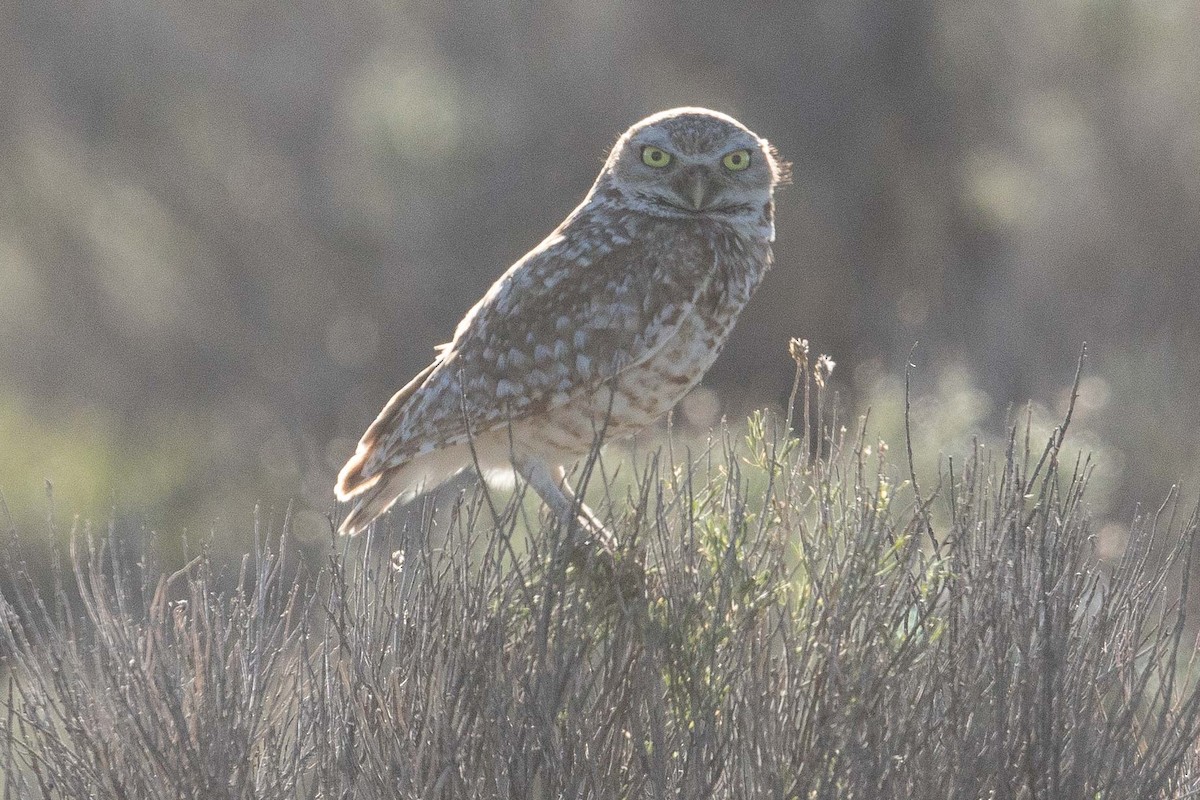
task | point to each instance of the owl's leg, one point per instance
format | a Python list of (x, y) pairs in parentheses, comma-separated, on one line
[(550, 483), (592, 546), (587, 517)]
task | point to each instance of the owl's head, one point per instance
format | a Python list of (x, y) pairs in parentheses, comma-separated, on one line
[(691, 161)]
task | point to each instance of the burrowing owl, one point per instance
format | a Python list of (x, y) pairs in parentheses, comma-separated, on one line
[(604, 326)]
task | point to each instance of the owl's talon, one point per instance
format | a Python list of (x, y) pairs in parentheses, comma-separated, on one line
[(592, 533), (612, 570)]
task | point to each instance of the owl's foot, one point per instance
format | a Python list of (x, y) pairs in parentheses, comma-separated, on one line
[(589, 531), (591, 547), (619, 575)]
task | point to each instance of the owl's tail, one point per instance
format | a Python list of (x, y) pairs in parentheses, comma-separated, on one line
[(376, 490), (351, 481), (403, 483), (370, 504)]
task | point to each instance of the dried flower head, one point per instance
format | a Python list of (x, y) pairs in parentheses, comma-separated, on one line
[(823, 369), (798, 350)]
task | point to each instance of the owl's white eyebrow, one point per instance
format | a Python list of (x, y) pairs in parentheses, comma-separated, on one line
[(655, 137)]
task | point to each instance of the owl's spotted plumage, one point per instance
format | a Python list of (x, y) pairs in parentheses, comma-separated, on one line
[(606, 324)]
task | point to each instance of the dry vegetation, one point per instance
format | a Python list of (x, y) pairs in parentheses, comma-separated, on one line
[(805, 631)]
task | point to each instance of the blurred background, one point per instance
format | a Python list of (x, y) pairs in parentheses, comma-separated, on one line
[(229, 230)]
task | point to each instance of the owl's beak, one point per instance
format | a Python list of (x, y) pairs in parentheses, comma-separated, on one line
[(693, 187)]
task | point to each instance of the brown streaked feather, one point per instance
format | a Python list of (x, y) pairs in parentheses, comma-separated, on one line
[(353, 478), (372, 501), (625, 301), (402, 483)]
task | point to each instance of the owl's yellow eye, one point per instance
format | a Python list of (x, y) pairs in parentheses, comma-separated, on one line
[(736, 161), (655, 157)]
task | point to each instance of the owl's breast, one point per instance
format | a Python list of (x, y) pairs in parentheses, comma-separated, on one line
[(644, 392)]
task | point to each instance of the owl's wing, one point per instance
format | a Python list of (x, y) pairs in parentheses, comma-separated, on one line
[(555, 324)]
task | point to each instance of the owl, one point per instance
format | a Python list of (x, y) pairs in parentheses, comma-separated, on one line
[(597, 331)]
